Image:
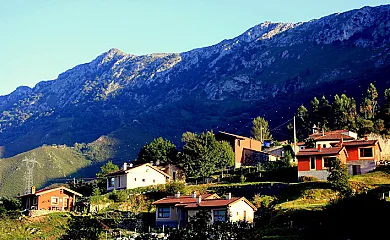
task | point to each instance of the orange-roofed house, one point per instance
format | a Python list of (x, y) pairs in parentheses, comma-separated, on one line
[(244, 148), (326, 139), (57, 199), (138, 176), (363, 155), (177, 210), (315, 161)]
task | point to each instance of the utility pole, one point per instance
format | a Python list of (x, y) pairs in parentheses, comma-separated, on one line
[(295, 141), (29, 177)]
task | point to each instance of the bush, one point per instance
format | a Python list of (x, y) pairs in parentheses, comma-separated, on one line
[(242, 179), (173, 187), (118, 196), (307, 179)]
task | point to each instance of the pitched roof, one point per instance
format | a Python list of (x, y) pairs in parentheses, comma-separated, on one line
[(333, 136), (319, 134), (323, 151), (232, 135), (362, 143), (172, 200), (47, 190), (208, 200), (121, 172)]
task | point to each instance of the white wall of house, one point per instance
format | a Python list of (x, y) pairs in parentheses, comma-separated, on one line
[(240, 211), (326, 143), (319, 174), (143, 176)]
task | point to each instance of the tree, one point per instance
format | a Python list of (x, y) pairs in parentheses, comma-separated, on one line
[(324, 112), (101, 179), (260, 129), (338, 177), (202, 154), (225, 155), (369, 105), (344, 113), (158, 151)]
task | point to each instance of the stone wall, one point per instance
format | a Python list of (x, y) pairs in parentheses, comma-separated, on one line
[(365, 166), (319, 174), (385, 145)]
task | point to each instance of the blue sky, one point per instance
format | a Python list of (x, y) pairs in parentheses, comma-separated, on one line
[(42, 38)]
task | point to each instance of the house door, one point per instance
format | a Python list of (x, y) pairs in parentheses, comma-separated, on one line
[(28, 203), (356, 170), (65, 203)]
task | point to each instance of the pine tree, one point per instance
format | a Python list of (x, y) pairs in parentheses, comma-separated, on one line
[(369, 105), (260, 129)]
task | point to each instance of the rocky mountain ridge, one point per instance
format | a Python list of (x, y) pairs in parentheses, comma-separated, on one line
[(269, 63)]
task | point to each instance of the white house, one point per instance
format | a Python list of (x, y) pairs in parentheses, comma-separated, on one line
[(139, 176)]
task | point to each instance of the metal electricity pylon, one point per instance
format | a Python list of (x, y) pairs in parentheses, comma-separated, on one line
[(29, 177)]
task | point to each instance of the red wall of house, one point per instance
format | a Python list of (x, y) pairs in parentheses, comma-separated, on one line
[(304, 162), (353, 153), (44, 201)]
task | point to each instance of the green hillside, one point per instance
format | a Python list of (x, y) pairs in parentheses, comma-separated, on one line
[(55, 163)]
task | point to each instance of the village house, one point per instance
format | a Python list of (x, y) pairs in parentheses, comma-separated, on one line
[(244, 148), (177, 210), (363, 155), (326, 139), (315, 161), (55, 199), (139, 176)]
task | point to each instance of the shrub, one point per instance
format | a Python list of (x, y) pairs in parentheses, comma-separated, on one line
[(173, 187), (242, 179), (118, 196)]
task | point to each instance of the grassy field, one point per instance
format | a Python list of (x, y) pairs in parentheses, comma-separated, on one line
[(49, 227)]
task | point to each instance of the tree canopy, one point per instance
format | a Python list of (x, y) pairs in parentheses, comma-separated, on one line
[(202, 154), (260, 129), (158, 151)]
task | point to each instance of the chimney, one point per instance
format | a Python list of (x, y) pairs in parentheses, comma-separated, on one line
[(228, 196), (177, 195), (365, 138), (323, 133), (125, 166), (33, 190), (199, 199), (341, 142), (194, 194), (314, 129), (319, 147)]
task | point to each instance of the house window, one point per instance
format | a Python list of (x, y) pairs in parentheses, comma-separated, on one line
[(323, 145), (312, 163), (135, 179), (326, 162), (143, 180), (154, 181), (219, 215), (61, 191), (164, 212), (35, 200), (119, 181), (174, 176), (111, 182), (55, 200), (366, 152)]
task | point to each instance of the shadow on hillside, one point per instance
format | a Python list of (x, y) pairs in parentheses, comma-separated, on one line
[(295, 191)]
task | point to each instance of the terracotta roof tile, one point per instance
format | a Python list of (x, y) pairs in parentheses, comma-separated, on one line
[(181, 200), (213, 203), (315, 151), (333, 136)]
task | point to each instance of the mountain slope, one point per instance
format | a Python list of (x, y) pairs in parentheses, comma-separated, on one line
[(269, 70), (55, 164)]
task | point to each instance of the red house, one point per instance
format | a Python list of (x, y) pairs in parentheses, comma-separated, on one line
[(58, 199), (315, 161), (363, 155)]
